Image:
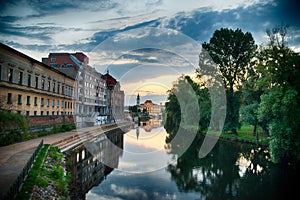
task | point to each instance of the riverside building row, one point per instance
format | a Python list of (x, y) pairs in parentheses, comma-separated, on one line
[(62, 85)]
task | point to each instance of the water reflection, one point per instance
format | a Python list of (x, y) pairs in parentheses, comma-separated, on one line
[(230, 171), (144, 151), (151, 124), (90, 163)]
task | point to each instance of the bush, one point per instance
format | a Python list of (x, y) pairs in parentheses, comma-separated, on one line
[(9, 121), (12, 126)]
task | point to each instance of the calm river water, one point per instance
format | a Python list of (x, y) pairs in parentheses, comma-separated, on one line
[(137, 166)]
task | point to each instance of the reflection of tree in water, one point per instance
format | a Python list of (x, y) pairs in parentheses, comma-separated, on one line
[(229, 171)]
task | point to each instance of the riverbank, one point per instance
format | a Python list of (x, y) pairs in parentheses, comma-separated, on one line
[(244, 135), (241, 139), (48, 178)]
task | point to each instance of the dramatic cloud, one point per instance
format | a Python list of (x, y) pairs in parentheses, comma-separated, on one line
[(125, 29)]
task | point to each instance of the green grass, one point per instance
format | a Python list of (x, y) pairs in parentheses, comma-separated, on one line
[(42, 182), (32, 177), (245, 134), (54, 153), (43, 174), (55, 173)]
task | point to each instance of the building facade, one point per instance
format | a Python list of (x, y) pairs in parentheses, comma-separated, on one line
[(91, 91), (154, 110), (63, 84), (115, 99), (118, 103), (32, 88)]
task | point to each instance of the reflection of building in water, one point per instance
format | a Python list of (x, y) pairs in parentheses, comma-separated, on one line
[(137, 130), (90, 163), (150, 124)]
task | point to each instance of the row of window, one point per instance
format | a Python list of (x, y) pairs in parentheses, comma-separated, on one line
[(62, 65), (64, 104), (92, 93), (56, 88), (88, 100), (47, 113)]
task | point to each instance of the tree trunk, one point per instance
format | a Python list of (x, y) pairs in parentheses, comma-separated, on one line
[(255, 133), (254, 129), (231, 107), (233, 131)]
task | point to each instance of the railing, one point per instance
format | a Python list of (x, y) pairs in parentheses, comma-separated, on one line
[(9, 136), (15, 187)]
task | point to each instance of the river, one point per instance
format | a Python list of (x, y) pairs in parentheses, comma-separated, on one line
[(136, 165)]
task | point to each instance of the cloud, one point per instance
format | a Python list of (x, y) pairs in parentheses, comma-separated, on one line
[(114, 16), (156, 185), (131, 193), (128, 30), (88, 28), (92, 195)]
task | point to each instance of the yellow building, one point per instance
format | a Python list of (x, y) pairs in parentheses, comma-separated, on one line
[(32, 88)]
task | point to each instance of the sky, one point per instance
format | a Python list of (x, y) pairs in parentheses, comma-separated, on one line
[(145, 44)]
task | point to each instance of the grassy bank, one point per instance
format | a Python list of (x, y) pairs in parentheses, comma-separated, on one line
[(47, 177), (33, 175), (245, 135)]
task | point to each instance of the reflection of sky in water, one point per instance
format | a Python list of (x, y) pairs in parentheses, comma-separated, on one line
[(243, 163), (141, 173), (145, 153), (154, 185)]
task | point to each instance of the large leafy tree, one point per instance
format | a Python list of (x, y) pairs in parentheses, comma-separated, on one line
[(232, 51), (280, 105), (279, 65)]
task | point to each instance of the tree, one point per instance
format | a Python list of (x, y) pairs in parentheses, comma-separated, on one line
[(133, 109), (251, 92), (280, 108), (232, 51), (280, 104), (279, 65), (173, 116), (188, 105)]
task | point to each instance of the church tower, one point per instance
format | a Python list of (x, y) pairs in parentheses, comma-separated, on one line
[(138, 100)]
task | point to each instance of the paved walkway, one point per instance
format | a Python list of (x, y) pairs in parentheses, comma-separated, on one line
[(14, 157)]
